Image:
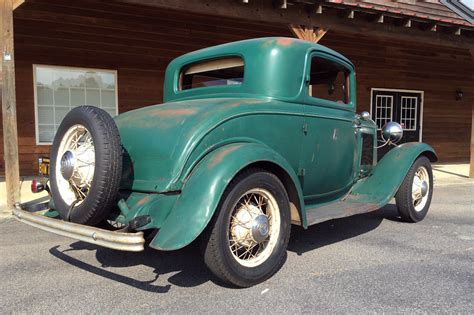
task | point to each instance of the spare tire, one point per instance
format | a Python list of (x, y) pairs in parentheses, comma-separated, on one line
[(86, 165)]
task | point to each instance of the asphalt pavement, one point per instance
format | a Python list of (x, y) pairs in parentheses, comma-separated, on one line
[(367, 263)]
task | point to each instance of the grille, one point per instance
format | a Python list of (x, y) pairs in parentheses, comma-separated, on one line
[(367, 156)]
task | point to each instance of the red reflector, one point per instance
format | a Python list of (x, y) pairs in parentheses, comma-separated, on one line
[(36, 186), (33, 185)]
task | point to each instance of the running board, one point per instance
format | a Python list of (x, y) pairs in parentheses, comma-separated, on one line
[(350, 205)]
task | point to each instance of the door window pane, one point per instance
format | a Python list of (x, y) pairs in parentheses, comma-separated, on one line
[(329, 80), (60, 89), (408, 112), (383, 110)]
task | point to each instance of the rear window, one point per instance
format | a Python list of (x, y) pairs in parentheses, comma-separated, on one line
[(216, 72)]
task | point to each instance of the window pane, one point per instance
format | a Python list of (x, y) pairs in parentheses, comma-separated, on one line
[(62, 78), (108, 80), (78, 97), (46, 114), (329, 80), (59, 114), (59, 89), (92, 80), (46, 133), (93, 97), (61, 96), (44, 95), (108, 99), (44, 76)]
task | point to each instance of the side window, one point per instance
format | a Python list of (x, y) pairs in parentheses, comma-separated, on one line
[(329, 80)]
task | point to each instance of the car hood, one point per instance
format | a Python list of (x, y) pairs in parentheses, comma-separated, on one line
[(158, 140)]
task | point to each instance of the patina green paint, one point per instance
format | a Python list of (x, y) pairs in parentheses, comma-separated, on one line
[(157, 206), (180, 156), (204, 187), (274, 67), (389, 173), (165, 141)]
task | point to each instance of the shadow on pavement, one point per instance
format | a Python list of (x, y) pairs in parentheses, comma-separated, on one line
[(187, 263), (333, 231)]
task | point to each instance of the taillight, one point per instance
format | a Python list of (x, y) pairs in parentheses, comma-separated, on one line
[(36, 186)]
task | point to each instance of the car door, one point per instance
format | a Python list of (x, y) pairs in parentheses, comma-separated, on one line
[(329, 145)]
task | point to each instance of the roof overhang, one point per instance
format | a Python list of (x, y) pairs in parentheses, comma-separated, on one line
[(464, 8)]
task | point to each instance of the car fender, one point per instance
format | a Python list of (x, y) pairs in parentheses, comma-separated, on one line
[(382, 185), (205, 186)]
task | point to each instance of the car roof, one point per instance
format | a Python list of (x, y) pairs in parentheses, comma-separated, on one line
[(274, 67), (261, 44)]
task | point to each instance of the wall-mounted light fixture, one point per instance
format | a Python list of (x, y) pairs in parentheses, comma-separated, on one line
[(459, 95)]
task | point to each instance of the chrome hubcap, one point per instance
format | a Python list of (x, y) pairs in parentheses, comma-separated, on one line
[(424, 188), (420, 188), (260, 228), (254, 227), (67, 164)]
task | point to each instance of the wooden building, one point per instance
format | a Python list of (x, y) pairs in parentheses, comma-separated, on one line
[(415, 54)]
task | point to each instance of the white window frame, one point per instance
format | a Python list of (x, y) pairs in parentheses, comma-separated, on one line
[(391, 108), (114, 72), (421, 104), (411, 118)]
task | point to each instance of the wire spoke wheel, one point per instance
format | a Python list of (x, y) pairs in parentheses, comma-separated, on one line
[(254, 227), (420, 188), (76, 156), (414, 195), (246, 241), (86, 165)]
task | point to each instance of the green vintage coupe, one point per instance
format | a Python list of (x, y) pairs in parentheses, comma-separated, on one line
[(253, 136)]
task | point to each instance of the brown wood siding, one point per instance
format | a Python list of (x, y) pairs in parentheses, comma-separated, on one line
[(438, 71), (140, 42), (434, 10)]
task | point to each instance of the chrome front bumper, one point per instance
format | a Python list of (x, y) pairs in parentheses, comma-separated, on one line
[(133, 242)]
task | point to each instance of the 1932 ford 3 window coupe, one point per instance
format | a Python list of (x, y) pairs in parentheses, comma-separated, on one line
[(253, 136)]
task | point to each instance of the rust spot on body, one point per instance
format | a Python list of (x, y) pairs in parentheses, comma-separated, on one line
[(240, 102), (284, 41), (220, 156), (142, 201), (171, 112)]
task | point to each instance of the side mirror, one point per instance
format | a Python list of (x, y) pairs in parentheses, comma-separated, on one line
[(392, 132)]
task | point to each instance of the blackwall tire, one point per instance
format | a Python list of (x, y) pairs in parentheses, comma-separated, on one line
[(224, 241), (412, 203), (91, 172)]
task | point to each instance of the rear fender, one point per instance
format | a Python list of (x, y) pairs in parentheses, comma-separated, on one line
[(382, 185), (204, 188)]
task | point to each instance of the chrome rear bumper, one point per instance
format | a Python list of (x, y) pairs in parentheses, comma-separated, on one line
[(133, 242)]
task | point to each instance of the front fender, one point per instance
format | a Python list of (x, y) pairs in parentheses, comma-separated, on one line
[(382, 185), (204, 188)]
